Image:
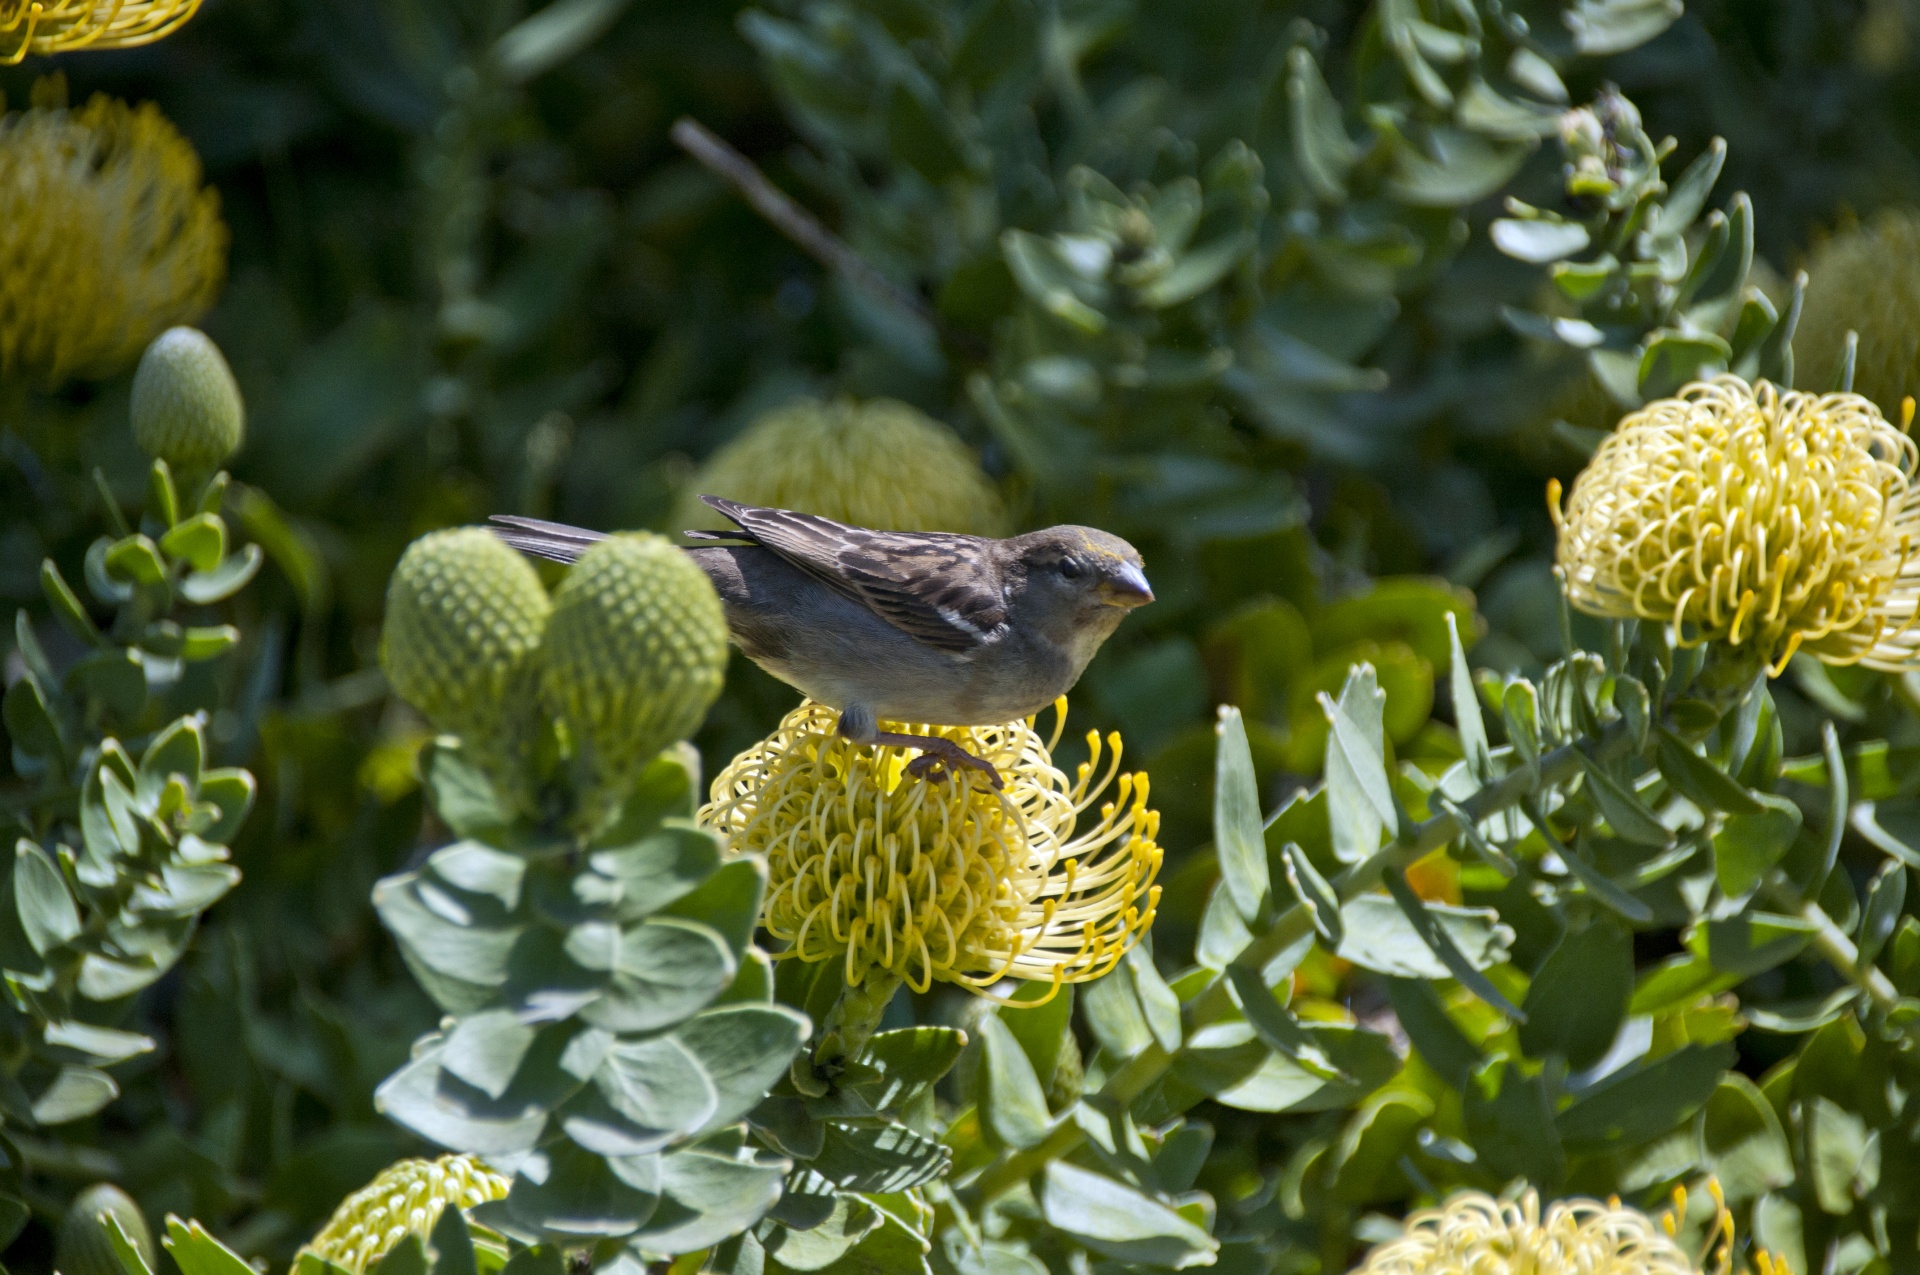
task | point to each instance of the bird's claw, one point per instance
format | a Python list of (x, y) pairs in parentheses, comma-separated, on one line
[(936, 763)]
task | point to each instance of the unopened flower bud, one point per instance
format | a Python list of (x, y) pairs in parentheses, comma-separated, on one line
[(186, 407), (635, 655), (84, 1243), (464, 621)]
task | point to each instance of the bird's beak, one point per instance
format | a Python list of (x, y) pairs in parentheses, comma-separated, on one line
[(1126, 586)]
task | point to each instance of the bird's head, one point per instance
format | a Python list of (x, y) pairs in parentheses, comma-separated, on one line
[(1082, 579)]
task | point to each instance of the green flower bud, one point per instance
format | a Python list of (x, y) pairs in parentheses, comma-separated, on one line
[(1866, 279), (635, 655), (405, 1197), (186, 406), (84, 1246), (464, 621), (879, 464)]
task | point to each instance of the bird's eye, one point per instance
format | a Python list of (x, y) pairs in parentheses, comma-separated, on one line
[(1071, 568)]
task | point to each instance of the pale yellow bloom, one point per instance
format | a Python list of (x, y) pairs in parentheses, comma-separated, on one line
[(406, 1197), (878, 464), (107, 236), (1767, 519), (1475, 1234), (942, 879), (62, 26)]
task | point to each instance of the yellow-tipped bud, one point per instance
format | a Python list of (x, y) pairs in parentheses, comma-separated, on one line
[(878, 464), (464, 621), (84, 1246), (635, 654), (407, 1197), (186, 407)]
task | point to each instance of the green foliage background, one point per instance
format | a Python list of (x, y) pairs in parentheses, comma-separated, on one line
[(453, 292)]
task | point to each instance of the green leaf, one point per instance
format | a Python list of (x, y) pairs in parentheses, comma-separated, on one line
[(415, 1098), (199, 541), (1237, 834), (1742, 1141), (134, 560), (1434, 933), (75, 1093), (885, 1158), (452, 1244), (66, 605), (115, 678), (1622, 808), (665, 970), (1688, 196), (658, 869), (577, 1196), (198, 1253), (1381, 937), (1597, 883), (180, 750), (1359, 796), (1119, 1222), (1601, 27), (1644, 1099), (1538, 241), (728, 902), (1276, 1028), (1885, 897), (707, 1196), (1322, 150), (1229, 1062), (31, 725), (1699, 780), (1322, 904), (1578, 998), (549, 36), (486, 1049), (200, 643), (47, 911), (745, 1049), (1114, 1013), (1748, 846), (96, 1046), (1839, 1145), (462, 794), (1754, 942), (1376, 1138), (645, 1095), (1466, 707), (1454, 169), (1673, 358), (912, 1059), (1432, 1031), (1012, 1101), (1509, 1119), (1157, 1001), (1041, 1028), (203, 588)]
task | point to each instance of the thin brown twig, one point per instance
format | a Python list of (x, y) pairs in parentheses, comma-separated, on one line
[(793, 221)]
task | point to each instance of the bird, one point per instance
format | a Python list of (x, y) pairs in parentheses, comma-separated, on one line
[(932, 627)]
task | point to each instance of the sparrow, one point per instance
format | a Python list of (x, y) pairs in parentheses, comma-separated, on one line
[(930, 627)]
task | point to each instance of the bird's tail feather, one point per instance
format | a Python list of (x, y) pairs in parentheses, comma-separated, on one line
[(540, 539)]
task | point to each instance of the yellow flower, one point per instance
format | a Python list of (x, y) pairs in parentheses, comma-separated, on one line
[(1762, 518), (877, 464), (1865, 279), (61, 26), (1475, 1234), (944, 879), (405, 1197), (106, 235)]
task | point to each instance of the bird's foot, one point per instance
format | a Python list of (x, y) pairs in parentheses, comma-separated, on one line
[(938, 757)]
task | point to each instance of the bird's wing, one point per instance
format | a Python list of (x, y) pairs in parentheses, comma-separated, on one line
[(542, 539), (944, 590)]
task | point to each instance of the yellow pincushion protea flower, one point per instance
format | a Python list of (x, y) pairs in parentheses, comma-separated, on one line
[(61, 26), (1475, 1234), (944, 879), (878, 464), (406, 1197), (106, 235), (1769, 520)]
